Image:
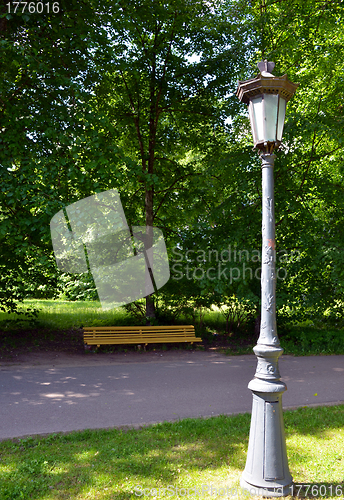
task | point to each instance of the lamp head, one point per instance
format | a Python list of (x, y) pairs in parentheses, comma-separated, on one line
[(266, 96)]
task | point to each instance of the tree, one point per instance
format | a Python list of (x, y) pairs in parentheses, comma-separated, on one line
[(121, 104), (42, 58), (171, 66)]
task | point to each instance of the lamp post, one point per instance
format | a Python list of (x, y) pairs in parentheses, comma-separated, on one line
[(266, 472)]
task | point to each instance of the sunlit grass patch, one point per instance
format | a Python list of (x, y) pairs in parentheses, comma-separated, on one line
[(63, 314)]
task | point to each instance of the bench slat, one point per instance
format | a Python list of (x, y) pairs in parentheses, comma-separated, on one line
[(143, 337), (140, 341), (124, 328), (139, 338)]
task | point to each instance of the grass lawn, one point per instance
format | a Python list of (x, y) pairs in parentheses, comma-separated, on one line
[(206, 454), (64, 314)]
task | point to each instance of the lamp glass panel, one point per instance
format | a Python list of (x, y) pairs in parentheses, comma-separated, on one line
[(271, 108), (281, 117), (257, 104), (253, 129)]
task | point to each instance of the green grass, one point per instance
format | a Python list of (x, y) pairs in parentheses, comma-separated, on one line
[(114, 464), (63, 314)]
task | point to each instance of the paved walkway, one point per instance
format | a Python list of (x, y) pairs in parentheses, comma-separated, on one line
[(99, 392)]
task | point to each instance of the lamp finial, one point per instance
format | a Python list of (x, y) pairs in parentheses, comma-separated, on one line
[(265, 66)]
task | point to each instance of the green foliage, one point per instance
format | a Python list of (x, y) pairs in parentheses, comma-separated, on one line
[(43, 107), (139, 96), (308, 340), (137, 310), (77, 287), (86, 108), (306, 39), (237, 312)]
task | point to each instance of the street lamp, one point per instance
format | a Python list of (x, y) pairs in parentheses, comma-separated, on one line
[(266, 472)]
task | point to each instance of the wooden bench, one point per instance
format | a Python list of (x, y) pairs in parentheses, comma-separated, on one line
[(101, 335)]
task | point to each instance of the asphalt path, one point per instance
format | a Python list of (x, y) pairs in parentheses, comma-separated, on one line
[(143, 390)]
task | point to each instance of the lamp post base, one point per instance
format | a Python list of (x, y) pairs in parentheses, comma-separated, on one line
[(266, 491), (267, 472)]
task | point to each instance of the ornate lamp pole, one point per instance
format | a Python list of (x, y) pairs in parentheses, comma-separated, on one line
[(267, 472)]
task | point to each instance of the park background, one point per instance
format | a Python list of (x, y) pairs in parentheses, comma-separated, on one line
[(140, 97)]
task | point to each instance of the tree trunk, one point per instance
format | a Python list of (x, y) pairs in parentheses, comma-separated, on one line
[(150, 306), (153, 122), (150, 309)]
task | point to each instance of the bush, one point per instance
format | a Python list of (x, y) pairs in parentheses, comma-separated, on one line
[(77, 287)]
